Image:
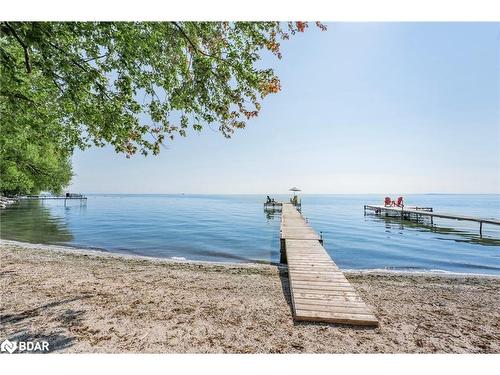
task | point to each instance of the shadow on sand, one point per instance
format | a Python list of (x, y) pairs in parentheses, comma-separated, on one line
[(56, 340), (15, 318)]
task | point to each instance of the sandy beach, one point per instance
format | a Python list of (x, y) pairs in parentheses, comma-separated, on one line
[(84, 301)]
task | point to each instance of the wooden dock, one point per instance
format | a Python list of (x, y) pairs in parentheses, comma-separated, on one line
[(320, 292), (429, 212), (48, 197)]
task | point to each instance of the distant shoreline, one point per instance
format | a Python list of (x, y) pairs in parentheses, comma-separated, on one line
[(125, 256)]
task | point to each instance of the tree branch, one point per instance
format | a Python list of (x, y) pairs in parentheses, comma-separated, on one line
[(15, 95), (25, 47), (97, 57), (196, 49)]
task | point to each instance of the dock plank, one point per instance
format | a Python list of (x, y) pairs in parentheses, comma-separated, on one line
[(336, 317)]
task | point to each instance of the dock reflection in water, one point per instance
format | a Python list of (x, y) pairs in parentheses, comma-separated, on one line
[(32, 221), (437, 226)]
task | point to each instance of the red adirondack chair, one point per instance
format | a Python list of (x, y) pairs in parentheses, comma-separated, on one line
[(399, 202), (387, 201)]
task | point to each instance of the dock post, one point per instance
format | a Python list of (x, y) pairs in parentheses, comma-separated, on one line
[(364, 210), (481, 229), (283, 251)]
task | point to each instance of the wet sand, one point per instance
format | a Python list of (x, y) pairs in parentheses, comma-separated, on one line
[(84, 301)]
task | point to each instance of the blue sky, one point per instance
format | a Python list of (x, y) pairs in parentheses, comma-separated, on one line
[(364, 108)]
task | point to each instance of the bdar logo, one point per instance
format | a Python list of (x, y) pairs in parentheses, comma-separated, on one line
[(8, 346)]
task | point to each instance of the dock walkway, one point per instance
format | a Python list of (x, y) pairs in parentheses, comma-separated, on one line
[(320, 291)]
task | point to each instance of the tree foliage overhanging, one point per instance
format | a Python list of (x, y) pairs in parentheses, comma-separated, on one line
[(67, 85)]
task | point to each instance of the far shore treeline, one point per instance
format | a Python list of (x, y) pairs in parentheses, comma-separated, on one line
[(68, 85)]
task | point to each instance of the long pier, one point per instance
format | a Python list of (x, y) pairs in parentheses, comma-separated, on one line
[(45, 197), (320, 292), (429, 212)]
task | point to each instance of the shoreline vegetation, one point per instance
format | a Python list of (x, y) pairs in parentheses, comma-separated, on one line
[(92, 301)]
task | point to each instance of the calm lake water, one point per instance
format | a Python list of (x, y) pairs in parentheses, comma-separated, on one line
[(235, 228)]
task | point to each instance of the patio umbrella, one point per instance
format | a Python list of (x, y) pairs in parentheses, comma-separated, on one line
[(295, 190)]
